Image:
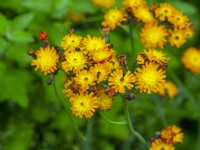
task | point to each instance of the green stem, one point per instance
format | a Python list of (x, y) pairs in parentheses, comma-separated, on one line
[(132, 40), (87, 143), (68, 112), (129, 123), (110, 121)]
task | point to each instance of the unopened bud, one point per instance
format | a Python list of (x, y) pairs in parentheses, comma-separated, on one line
[(122, 59), (43, 36), (129, 95), (31, 53), (49, 81)]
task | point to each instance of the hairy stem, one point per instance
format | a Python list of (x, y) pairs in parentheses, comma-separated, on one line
[(129, 123), (87, 143), (110, 121)]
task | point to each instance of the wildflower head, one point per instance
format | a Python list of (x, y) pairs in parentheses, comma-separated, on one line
[(133, 4), (164, 11), (101, 71), (118, 80), (114, 17), (46, 60), (153, 35), (71, 40), (143, 13), (85, 79), (191, 59), (92, 44), (148, 78), (178, 19), (103, 55), (105, 101), (152, 55), (177, 37), (172, 134), (84, 104), (74, 60), (160, 145)]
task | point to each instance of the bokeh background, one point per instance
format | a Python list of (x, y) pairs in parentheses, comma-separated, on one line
[(31, 116)]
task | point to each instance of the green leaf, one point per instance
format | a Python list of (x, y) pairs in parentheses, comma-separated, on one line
[(3, 45), (21, 22), (13, 85), (60, 8), (3, 24), (21, 138), (18, 53), (39, 5), (3, 69), (82, 6), (21, 37)]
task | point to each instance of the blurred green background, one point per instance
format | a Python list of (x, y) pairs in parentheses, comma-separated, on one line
[(31, 116)]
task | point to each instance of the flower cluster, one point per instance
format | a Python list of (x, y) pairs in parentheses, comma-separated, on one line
[(191, 59), (94, 74), (167, 138), (160, 23)]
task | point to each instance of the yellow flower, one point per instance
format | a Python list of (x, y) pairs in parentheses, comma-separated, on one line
[(149, 78), (172, 134), (118, 81), (105, 102), (153, 35), (113, 63), (189, 32), (101, 71), (85, 78), (76, 16), (71, 40), (169, 88), (104, 3), (70, 88), (114, 17), (75, 60), (178, 19), (46, 60), (191, 59), (177, 37), (152, 55), (143, 13), (160, 145), (103, 55), (133, 3), (84, 104), (93, 43), (164, 11)]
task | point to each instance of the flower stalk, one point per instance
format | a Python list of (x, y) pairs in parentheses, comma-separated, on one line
[(110, 121), (129, 123)]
